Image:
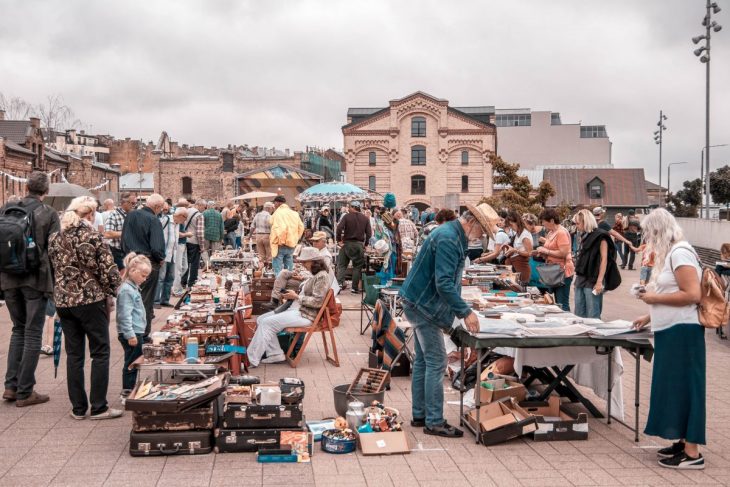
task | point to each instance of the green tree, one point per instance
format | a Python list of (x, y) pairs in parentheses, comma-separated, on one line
[(686, 201), (519, 194), (720, 186)]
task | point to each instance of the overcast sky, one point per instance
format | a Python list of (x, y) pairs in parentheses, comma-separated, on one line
[(276, 73)]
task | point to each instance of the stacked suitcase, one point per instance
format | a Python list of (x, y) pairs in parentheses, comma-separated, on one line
[(247, 427), (177, 426), (261, 288)]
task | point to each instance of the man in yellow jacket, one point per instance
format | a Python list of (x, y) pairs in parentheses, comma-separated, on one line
[(286, 230)]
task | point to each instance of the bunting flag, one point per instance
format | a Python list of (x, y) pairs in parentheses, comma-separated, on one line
[(17, 179), (99, 186), (63, 178)]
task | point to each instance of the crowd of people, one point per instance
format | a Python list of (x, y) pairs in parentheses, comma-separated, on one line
[(129, 260)]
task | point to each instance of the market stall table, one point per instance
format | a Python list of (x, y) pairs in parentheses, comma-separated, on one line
[(637, 344)]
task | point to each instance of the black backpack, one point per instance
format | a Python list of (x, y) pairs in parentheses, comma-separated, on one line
[(18, 246)]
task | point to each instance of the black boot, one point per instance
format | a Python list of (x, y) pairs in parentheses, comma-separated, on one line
[(271, 305)]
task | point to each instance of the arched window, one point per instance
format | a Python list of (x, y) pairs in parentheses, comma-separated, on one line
[(418, 155), (418, 184), (187, 186), (465, 157), (371, 158), (371, 183), (418, 127)]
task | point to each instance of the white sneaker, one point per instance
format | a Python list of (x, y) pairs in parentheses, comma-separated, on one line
[(274, 359), (77, 417), (108, 414)]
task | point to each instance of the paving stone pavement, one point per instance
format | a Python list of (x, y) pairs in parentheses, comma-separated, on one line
[(42, 445)]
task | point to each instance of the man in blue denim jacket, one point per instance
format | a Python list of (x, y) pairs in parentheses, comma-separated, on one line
[(432, 300)]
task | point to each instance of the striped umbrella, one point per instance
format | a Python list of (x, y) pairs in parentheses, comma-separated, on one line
[(333, 191), (57, 333)]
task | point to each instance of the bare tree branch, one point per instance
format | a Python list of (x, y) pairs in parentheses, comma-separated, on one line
[(16, 108)]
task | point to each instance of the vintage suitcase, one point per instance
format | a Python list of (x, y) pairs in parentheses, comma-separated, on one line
[(246, 440), (262, 283), (160, 443), (255, 416), (203, 418), (259, 295), (175, 405)]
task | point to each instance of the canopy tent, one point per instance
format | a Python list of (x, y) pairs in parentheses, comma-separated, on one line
[(279, 179)]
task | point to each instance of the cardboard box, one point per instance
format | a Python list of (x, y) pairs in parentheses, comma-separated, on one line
[(388, 443), (515, 390), (556, 421), (501, 421)]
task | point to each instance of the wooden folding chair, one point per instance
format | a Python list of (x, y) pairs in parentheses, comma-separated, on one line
[(323, 324)]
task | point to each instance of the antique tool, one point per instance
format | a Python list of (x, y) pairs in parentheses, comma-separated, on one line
[(369, 381)]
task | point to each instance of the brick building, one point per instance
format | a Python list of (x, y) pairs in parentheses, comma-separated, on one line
[(420, 149), (21, 152)]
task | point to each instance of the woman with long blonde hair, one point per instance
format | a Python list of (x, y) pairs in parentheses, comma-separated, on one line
[(677, 404), (86, 280)]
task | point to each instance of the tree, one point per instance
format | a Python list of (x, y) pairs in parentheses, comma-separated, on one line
[(720, 186), (519, 193), (686, 201), (55, 114), (16, 108)]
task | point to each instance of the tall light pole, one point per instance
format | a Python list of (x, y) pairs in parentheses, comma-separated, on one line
[(702, 171), (658, 139), (669, 174), (710, 26)]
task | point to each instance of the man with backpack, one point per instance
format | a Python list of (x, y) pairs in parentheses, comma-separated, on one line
[(194, 233), (25, 279)]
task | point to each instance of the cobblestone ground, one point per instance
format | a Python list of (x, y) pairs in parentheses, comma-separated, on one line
[(42, 445)]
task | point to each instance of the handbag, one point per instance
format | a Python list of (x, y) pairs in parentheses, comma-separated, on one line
[(551, 275)]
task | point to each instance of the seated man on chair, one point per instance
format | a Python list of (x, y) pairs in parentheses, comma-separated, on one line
[(303, 310), (291, 280)]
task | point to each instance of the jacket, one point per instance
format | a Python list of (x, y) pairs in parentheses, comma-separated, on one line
[(433, 285), (142, 234), (589, 256), (286, 229), (131, 315), (313, 293), (83, 267), (354, 227), (46, 222), (213, 225)]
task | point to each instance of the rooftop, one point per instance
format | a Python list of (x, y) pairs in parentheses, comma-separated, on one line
[(132, 181), (15, 130)]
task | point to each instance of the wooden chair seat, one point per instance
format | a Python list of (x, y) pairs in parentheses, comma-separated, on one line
[(323, 324)]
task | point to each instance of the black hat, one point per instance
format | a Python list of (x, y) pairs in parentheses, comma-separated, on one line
[(280, 199)]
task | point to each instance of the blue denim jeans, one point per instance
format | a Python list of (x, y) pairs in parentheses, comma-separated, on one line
[(562, 294), (164, 286), (427, 383), (587, 305), (284, 258)]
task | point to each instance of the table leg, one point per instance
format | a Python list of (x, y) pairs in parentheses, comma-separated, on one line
[(477, 394), (636, 393), (610, 386), (461, 388)]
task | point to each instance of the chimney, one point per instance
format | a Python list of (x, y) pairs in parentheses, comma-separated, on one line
[(2, 114), (35, 122)]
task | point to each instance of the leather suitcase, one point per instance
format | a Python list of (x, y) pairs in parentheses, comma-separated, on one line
[(262, 283), (245, 440), (253, 416), (162, 443), (203, 418), (259, 295)]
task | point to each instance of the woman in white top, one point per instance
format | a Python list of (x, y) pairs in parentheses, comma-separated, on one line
[(677, 405), (519, 253)]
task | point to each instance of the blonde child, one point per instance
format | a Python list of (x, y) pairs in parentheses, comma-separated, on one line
[(131, 318)]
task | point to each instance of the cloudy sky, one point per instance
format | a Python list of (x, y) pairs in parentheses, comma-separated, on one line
[(283, 73)]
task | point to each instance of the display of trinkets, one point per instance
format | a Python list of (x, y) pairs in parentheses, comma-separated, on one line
[(381, 419)]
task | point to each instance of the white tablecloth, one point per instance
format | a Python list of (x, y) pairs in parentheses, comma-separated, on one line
[(591, 369)]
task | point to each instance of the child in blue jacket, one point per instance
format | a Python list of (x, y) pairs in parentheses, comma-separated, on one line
[(131, 318)]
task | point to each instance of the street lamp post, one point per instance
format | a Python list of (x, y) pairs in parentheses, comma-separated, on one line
[(658, 139), (702, 172), (669, 174), (710, 26)]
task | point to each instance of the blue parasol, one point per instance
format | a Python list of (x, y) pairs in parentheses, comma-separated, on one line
[(57, 332)]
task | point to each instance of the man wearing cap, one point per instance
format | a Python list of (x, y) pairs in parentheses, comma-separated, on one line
[(286, 230), (304, 307), (600, 214), (319, 242), (353, 233), (261, 230), (431, 300)]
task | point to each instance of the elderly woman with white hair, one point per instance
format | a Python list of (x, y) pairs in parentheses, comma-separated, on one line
[(86, 280), (677, 405)]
